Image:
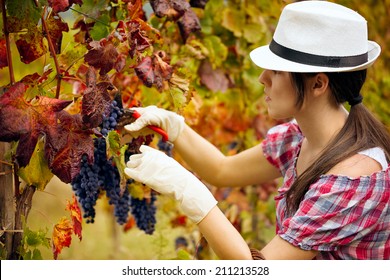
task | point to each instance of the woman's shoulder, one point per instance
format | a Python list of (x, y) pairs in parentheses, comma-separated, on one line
[(365, 163)]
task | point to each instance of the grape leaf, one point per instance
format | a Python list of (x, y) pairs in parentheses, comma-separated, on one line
[(31, 46), (66, 145), (214, 79), (129, 224), (162, 69), (37, 172), (75, 214), (144, 71), (63, 5), (102, 55), (117, 153), (24, 10), (25, 120), (84, 34), (188, 23), (137, 41), (3, 54), (56, 26), (96, 100), (154, 70), (135, 10), (172, 9), (62, 236)]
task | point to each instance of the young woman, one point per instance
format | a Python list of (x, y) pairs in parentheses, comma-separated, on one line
[(335, 199)]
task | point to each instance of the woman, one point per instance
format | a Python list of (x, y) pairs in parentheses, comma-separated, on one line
[(335, 199)]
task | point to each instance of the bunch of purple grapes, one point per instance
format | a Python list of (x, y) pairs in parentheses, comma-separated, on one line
[(103, 176), (86, 187), (144, 212), (165, 147), (110, 122)]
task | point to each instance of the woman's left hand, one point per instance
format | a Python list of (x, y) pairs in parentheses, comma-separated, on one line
[(165, 175)]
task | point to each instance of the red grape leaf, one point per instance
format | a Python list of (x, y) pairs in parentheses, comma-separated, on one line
[(162, 70), (56, 26), (103, 55), (25, 120), (36, 79), (96, 100), (136, 10), (145, 72), (154, 70), (214, 79), (62, 236), (83, 35), (172, 9), (75, 214), (137, 41), (63, 5), (129, 224), (66, 145), (188, 23), (3, 54), (31, 46)]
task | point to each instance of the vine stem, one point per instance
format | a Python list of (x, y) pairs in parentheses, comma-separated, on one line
[(7, 43), (52, 50)]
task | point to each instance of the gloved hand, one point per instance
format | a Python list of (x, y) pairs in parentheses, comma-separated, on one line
[(166, 176), (171, 122)]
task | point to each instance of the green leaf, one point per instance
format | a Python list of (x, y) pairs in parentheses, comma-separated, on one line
[(217, 50), (233, 20), (117, 152), (177, 97), (183, 255), (24, 9), (37, 172), (101, 28)]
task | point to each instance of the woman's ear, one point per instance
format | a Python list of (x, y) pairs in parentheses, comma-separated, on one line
[(320, 82)]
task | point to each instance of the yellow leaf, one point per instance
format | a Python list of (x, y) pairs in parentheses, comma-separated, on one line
[(37, 172)]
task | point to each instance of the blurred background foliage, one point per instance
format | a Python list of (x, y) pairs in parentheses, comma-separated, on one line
[(222, 100)]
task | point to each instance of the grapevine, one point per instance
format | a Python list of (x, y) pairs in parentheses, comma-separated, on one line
[(90, 62)]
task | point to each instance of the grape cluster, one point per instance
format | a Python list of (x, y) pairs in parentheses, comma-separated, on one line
[(110, 122), (86, 188), (144, 212), (165, 147), (103, 176)]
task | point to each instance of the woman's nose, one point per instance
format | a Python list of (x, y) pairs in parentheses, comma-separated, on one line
[(263, 76)]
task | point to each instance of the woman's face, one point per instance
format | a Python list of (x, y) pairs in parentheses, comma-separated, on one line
[(280, 94)]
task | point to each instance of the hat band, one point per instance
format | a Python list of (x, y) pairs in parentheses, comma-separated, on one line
[(317, 60)]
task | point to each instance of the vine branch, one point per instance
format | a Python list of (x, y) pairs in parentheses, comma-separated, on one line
[(52, 50), (7, 43)]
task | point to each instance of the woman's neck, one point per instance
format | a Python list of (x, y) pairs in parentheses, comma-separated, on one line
[(320, 125)]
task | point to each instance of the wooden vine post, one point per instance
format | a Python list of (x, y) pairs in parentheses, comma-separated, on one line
[(7, 203)]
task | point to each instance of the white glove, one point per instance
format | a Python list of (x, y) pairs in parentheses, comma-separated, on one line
[(171, 122), (166, 176)]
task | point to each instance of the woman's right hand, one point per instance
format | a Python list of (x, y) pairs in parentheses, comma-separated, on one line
[(169, 121)]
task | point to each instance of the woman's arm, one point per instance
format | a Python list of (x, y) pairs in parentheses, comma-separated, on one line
[(246, 168), (227, 243)]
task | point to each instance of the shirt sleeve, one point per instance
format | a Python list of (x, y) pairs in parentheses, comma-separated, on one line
[(281, 145), (336, 211)]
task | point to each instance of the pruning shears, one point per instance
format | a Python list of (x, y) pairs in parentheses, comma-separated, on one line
[(157, 129)]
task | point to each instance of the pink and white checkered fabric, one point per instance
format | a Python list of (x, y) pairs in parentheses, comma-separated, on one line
[(341, 217)]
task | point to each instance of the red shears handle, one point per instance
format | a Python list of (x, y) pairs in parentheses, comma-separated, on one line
[(157, 129)]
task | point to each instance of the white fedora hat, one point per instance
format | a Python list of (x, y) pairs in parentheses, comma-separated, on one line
[(318, 36)]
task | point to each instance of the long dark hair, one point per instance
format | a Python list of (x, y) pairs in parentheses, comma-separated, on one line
[(360, 132)]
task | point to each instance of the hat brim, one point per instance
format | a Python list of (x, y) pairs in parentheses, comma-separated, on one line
[(266, 59)]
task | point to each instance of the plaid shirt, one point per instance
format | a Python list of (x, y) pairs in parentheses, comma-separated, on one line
[(339, 216)]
